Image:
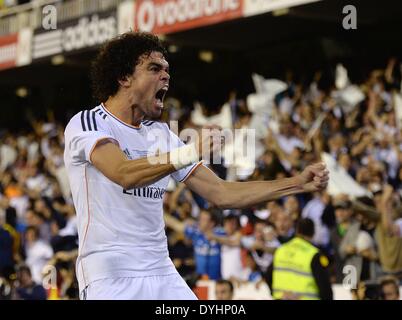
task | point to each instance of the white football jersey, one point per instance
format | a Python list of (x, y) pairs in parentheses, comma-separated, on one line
[(121, 232)]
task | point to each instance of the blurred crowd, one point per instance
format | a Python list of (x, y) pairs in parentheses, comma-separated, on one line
[(38, 231), (6, 4)]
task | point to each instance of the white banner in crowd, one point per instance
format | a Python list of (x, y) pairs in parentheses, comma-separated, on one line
[(316, 125), (348, 96), (398, 109), (341, 77), (223, 118), (340, 182), (261, 104), (239, 150)]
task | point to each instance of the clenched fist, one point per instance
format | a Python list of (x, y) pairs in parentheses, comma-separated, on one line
[(315, 177)]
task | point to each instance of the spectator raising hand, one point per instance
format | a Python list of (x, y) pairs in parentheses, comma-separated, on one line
[(391, 225)]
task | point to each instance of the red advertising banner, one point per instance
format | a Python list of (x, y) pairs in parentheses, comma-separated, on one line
[(8, 51), (168, 16)]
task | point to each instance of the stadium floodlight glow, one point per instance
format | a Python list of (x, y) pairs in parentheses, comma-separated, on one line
[(206, 56), (173, 48), (57, 60), (21, 92)]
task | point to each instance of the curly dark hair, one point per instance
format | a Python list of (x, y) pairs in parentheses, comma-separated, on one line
[(117, 58)]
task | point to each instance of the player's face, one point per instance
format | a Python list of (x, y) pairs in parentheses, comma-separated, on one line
[(150, 83)]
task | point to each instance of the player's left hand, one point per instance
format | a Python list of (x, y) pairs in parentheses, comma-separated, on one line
[(315, 177)]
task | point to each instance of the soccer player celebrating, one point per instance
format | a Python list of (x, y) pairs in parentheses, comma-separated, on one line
[(119, 166)]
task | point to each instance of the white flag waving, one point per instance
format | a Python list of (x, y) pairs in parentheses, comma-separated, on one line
[(340, 181)]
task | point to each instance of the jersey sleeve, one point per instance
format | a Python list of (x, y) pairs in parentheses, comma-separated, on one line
[(182, 174), (84, 131)]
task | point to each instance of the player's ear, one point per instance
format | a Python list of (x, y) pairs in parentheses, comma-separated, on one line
[(125, 81)]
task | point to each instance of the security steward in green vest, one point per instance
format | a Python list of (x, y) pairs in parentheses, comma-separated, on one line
[(299, 271)]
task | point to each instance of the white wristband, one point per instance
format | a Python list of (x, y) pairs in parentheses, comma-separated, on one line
[(184, 156)]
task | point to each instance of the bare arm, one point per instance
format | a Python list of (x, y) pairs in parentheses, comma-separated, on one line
[(317, 144), (174, 224), (371, 112), (175, 196), (225, 240), (272, 144), (362, 145), (112, 162), (386, 212), (224, 194), (366, 211), (388, 71), (266, 249)]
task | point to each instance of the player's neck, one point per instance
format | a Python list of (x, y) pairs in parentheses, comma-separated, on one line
[(122, 109)]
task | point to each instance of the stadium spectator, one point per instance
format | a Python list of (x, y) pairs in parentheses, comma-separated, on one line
[(6, 250), (231, 262), (314, 210), (262, 244), (66, 238), (38, 220), (388, 234), (284, 226), (299, 270), (292, 207), (343, 237), (181, 252), (389, 289), (366, 290), (388, 240), (179, 203), (251, 272), (67, 286), (207, 253), (364, 139), (26, 288), (224, 290), (37, 252)]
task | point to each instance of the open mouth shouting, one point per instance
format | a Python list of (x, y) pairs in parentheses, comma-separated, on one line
[(160, 95)]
